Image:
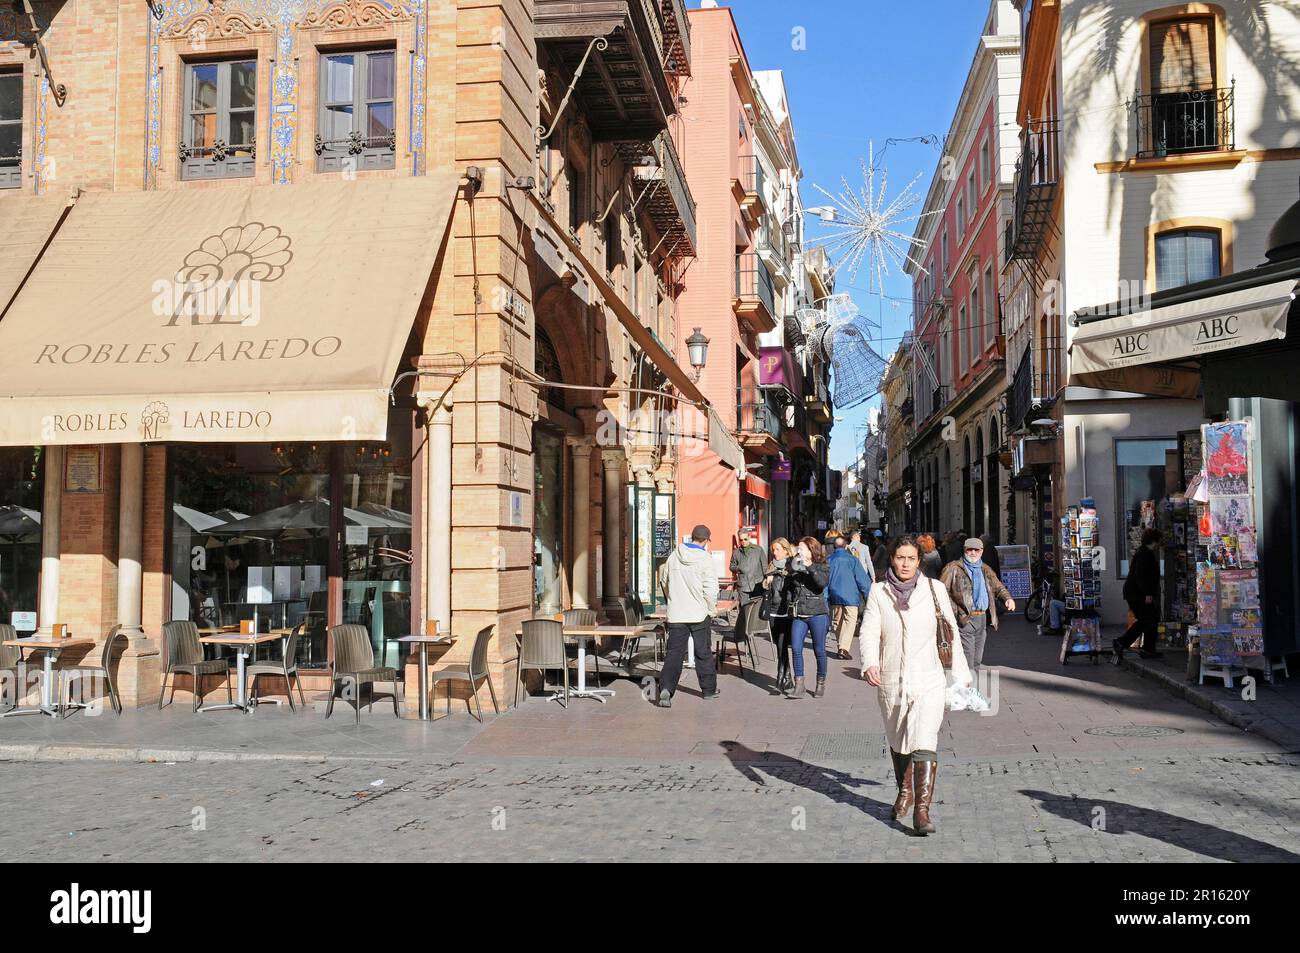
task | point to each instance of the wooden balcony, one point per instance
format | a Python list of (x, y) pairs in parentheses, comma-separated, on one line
[(625, 88)]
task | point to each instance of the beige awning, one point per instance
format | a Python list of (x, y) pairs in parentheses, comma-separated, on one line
[(1155, 352), (26, 223), (238, 313)]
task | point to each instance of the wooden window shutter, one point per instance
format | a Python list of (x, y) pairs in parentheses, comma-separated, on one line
[(1182, 55)]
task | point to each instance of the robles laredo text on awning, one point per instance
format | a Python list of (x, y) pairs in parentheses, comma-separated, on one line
[(250, 314)]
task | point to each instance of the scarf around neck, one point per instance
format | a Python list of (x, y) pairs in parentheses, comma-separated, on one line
[(979, 590), (900, 591)]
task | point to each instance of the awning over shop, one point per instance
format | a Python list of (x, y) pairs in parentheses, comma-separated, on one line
[(26, 223), (252, 313), (1156, 351)]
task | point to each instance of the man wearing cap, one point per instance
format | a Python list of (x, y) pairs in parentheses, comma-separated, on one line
[(690, 580), (975, 591)]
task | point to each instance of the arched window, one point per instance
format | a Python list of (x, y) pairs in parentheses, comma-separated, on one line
[(546, 363)]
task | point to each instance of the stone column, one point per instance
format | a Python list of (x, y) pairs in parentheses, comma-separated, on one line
[(130, 540), (51, 509), (439, 508), (581, 450), (613, 536)]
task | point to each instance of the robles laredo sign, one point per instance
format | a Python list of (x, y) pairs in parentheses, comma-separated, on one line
[(246, 313)]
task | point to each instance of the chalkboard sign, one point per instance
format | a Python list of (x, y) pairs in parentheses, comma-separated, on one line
[(663, 539)]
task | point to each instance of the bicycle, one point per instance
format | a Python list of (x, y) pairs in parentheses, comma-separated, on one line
[(1041, 600)]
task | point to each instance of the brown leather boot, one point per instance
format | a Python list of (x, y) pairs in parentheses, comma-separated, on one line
[(923, 774), (903, 774), (820, 691)]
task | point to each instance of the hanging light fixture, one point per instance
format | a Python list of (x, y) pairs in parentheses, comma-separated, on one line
[(697, 347)]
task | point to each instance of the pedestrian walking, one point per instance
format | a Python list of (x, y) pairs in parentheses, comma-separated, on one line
[(848, 589), (691, 583), (747, 568), (777, 601), (976, 592), (808, 577), (952, 549), (931, 561), (880, 556), (1142, 593), (862, 552), (900, 658)]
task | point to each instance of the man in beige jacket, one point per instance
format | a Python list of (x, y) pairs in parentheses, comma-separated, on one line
[(690, 581)]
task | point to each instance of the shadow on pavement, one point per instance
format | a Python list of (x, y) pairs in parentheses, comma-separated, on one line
[(827, 782), (1181, 832)]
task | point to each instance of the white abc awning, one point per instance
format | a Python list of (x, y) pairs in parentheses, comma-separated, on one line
[(1155, 351)]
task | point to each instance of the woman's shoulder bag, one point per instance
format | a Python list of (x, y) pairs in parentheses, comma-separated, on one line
[(943, 633)]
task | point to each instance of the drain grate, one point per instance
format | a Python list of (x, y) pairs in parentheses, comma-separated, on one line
[(857, 747), (1133, 731)]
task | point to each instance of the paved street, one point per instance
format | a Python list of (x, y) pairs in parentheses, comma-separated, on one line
[(750, 777)]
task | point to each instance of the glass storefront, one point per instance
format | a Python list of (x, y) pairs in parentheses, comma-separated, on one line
[(22, 486), (251, 535)]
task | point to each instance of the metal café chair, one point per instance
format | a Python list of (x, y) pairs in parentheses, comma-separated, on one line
[(354, 661), (71, 673), (584, 617), (11, 663), (183, 654), (286, 667), (542, 647), (475, 672)]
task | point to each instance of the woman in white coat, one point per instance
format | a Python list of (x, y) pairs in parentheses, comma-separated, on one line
[(900, 657)]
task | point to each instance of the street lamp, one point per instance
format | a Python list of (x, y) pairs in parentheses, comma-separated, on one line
[(827, 213), (697, 346)]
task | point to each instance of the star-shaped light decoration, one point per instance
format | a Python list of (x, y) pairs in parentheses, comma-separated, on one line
[(869, 228)]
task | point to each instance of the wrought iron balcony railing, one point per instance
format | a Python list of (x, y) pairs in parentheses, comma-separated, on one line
[(755, 415), (1186, 121), (1038, 174), (754, 282)]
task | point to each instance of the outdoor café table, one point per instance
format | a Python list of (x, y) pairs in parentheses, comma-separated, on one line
[(241, 644), (424, 641), (581, 634), (51, 649)]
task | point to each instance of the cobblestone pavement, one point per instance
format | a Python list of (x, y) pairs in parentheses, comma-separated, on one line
[(1080, 762), (1049, 808)]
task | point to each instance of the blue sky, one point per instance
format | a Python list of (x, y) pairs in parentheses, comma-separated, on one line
[(871, 70)]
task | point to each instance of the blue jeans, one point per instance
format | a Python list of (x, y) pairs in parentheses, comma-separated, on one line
[(818, 624)]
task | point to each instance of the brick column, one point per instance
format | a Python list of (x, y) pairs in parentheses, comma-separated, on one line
[(137, 671)]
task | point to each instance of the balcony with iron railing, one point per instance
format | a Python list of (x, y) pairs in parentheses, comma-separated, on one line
[(755, 301), (628, 50), (1038, 176), (758, 425), (670, 204), (1186, 122), (1036, 382), (748, 187)]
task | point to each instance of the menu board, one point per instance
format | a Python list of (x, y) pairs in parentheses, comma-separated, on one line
[(1015, 574)]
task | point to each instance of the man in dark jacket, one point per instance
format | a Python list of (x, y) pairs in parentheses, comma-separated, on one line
[(975, 592), (848, 591), (747, 567), (1142, 593)]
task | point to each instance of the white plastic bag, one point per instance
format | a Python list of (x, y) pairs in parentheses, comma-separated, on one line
[(965, 698)]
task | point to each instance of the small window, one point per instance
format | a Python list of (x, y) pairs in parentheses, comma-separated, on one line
[(1186, 257), (961, 216), (219, 136), (11, 130), (577, 195), (613, 243), (356, 128), (976, 324), (986, 163), (972, 194), (962, 337)]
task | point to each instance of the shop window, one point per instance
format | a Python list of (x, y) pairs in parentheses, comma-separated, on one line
[(11, 130), (22, 488), (356, 129), (260, 530), (1140, 478), (218, 135), (1187, 256)]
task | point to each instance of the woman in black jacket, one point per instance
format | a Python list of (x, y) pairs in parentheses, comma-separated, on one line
[(777, 599), (809, 575), (1142, 593)]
